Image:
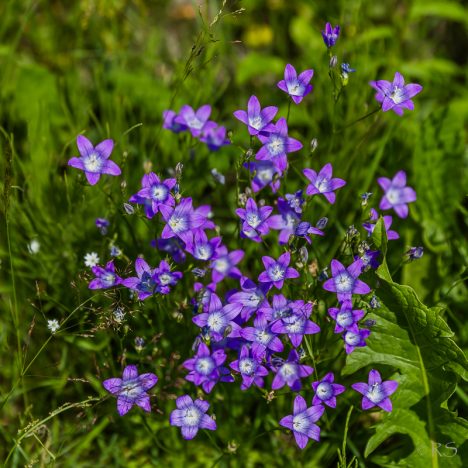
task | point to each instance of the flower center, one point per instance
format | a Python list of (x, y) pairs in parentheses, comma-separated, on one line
[(344, 318), (393, 196), (276, 145), (375, 393), (301, 422), (165, 278), (159, 192), (296, 88), (222, 265), (146, 283), (398, 95), (93, 163), (352, 339), (288, 370), (263, 337), (203, 252), (178, 223), (215, 322), (108, 279), (296, 326), (265, 175), (344, 282), (192, 416), (205, 365), (322, 184), (247, 366), (253, 220), (194, 122), (324, 391), (131, 389), (255, 122), (276, 273)]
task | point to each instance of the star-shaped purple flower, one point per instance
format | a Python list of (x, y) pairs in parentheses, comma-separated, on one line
[(195, 121), (206, 368), (214, 136), (326, 391), (296, 86), (276, 271), (190, 416), (355, 338), (165, 278), (397, 194), (155, 190), (264, 173), (94, 161), (374, 216), (224, 264), (201, 247), (170, 123), (301, 422), (144, 283), (255, 220), (131, 389), (376, 392), (277, 144), (105, 277), (251, 370), (183, 220), (323, 182), (285, 222), (256, 118), (218, 318), (345, 317), (263, 340), (396, 96), (345, 282), (290, 373), (251, 298), (297, 323), (303, 229), (330, 35)]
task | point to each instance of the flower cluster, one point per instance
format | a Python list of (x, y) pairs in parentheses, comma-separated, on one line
[(252, 331)]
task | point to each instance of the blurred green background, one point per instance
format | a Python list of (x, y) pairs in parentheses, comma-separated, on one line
[(108, 68)]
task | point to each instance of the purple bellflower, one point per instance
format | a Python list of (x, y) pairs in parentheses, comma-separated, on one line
[(303, 229), (251, 298), (255, 220), (345, 282), (255, 118), (224, 264), (263, 340), (396, 96), (105, 277), (277, 144), (302, 421), (264, 173), (190, 416), (144, 283), (290, 373), (323, 182), (102, 224), (330, 35), (285, 222), (201, 247), (370, 259), (165, 278), (195, 121), (345, 317), (214, 136), (156, 191), (251, 370), (206, 368), (183, 219), (376, 392), (94, 161), (295, 201), (276, 271), (326, 391), (218, 320), (170, 123), (173, 246), (397, 194), (374, 216), (297, 323), (355, 338), (296, 86), (131, 389)]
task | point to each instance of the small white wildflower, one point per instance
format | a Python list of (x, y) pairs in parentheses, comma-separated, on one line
[(34, 246), (53, 325), (91, 259)]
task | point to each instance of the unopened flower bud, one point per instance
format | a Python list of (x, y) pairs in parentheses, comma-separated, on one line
[(333, 61), (313, 144)]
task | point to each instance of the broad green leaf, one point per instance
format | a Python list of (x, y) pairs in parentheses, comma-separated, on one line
[(417, 343), (447, 10)]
